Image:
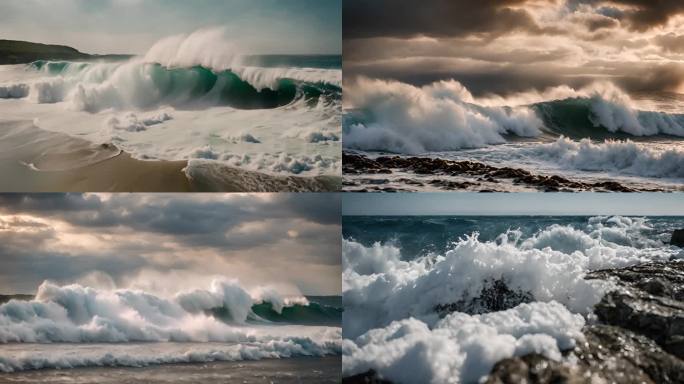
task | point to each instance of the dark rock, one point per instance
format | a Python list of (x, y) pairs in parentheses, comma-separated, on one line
[(494, 296), (353, 164), (369, 377), (532, 369), (649, 302), (678, 238), (608, 355)]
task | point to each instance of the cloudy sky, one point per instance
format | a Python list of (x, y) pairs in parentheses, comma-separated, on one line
[(165, 243), (507, 46), (486, 204), (132, 26)]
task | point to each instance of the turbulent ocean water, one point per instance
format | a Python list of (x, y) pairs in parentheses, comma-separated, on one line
[(275, 114), (593, 134), (441, 299), (77, 327)]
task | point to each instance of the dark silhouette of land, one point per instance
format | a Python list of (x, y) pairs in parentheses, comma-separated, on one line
[(22, 52)]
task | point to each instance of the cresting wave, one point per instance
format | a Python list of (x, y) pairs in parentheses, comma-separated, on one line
[(77, 314), (135, 84), (201, 69), (624, 157), (445, 116), (449, 317)]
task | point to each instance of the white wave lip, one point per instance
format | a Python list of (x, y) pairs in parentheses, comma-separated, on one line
[(625, 157), (78, 314), (390, 320), (435, 117)]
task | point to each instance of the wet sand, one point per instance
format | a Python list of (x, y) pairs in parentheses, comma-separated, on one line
[(35, 160), (286, 371)]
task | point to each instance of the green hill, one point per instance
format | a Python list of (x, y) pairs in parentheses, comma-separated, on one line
[(22, 52)]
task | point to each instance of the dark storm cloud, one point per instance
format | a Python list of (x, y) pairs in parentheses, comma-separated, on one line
[(645, 14), (509, 46), (68, 235), (438, 18)]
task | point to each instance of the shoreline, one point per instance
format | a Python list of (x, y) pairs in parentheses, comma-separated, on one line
[(37, 160)]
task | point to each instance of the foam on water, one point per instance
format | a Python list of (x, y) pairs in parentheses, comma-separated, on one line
[(450, 316), (79, 314), (189, 97)]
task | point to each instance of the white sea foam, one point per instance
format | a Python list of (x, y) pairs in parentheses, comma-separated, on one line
[(625, 157), (392, 322), (461, 348), (79, 314), (436, 117), (15, 358)]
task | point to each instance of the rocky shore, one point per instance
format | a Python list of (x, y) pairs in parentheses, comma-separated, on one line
[(637, 337), (480, 176)]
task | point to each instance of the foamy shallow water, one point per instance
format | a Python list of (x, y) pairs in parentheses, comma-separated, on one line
[(291, 370)]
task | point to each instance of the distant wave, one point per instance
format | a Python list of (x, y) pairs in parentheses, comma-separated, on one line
[(80, 314), (113, 357), (624, 157), (444, 116), (597, 117)]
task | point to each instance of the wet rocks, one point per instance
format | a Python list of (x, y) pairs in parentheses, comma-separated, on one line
[(494, 296), (639, 337), (678, 238), (369, 377), (608, 355), (354, 164)]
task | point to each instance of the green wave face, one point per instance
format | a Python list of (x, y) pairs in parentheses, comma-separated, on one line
[(311, 314), (576, 119), (190, 87)]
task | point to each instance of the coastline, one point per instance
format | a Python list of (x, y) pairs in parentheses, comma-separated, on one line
[(35, 160)]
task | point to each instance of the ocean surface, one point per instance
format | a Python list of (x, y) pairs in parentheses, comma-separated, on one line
[(274, 114), (443, 298), (594, 134), (74, 333)]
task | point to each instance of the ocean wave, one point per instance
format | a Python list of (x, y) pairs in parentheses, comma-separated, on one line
[(625, 157), (454, 314), (402, 118), (68, 357), (79, 314), (134, 84), (444, 116)]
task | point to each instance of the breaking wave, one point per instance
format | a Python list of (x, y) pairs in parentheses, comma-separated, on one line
[(93, 87), (201, 69), (624, 157), (78, 314), (445, 116), (448, 317)]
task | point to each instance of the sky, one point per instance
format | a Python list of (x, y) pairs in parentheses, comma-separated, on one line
[(164, 243), (132, 26), (508, 46), (486, 204)]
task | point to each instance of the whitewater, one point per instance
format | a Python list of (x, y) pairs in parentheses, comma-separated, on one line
[(442, 299), (198, 98), (595, 133), (105, 328)]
